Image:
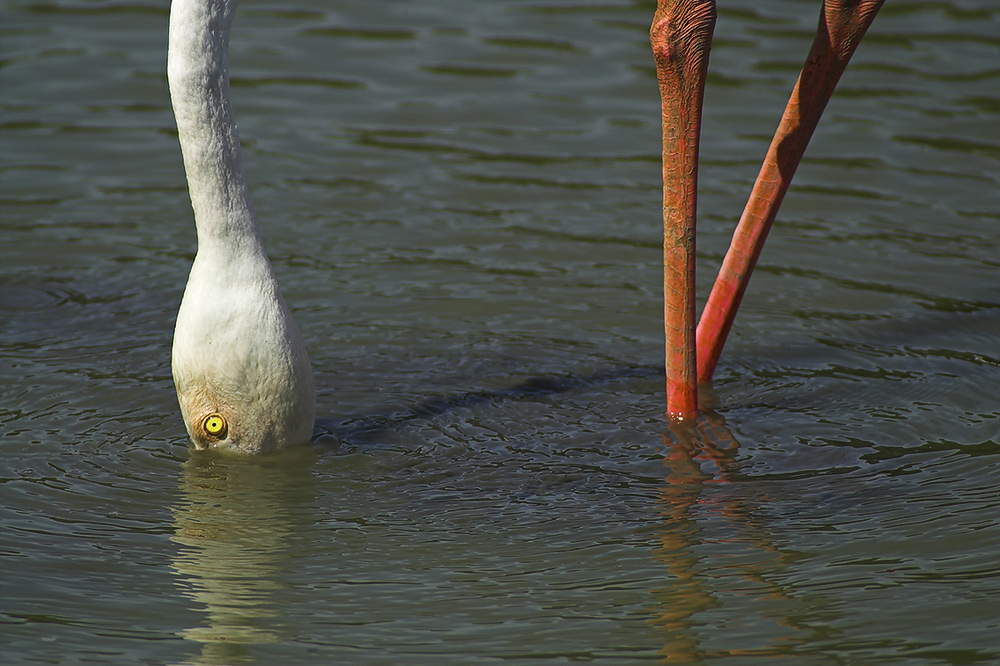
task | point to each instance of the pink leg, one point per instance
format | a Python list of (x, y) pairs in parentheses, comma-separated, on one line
[(681, 37), (842, 24)]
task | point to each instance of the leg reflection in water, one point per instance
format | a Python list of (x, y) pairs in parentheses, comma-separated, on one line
[(721, 599)]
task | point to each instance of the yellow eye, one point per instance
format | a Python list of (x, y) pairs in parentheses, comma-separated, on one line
[(215, 425)]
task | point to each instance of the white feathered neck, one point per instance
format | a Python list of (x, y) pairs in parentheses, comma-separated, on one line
[(240, 367)]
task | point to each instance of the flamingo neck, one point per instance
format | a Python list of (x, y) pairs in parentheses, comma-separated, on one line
[(198, 76)]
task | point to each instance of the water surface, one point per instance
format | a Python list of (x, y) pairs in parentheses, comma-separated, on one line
[(461, 200)]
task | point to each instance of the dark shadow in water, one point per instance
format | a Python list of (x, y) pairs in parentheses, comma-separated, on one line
[(359, 429)]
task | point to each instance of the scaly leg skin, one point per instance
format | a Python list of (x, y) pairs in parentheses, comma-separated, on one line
[(842, 24), (681, 38)]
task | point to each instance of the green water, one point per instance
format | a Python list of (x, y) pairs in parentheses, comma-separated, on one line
[(461, 201)]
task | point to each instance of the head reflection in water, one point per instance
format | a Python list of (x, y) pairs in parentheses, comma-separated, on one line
[(232, 526)]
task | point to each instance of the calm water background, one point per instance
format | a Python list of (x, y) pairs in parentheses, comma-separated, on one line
[(461, 199)]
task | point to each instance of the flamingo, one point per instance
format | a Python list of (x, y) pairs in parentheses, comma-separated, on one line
[(241, 370), (681, 38)]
